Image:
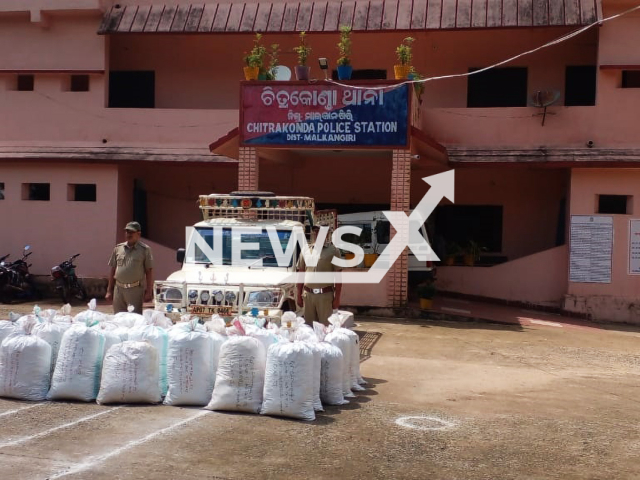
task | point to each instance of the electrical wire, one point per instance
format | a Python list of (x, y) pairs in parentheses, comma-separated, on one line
[(508, 60)]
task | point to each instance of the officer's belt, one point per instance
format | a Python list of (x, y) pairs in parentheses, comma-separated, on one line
[(128, 285), (319, 290)]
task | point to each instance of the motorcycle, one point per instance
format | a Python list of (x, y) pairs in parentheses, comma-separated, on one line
[(67, 282), (15, 280)]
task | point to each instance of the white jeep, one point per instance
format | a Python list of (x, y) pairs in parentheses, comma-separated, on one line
[(257, 284)]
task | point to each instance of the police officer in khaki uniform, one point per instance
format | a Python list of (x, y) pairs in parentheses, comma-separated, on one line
[(130, 263), (320, 299)]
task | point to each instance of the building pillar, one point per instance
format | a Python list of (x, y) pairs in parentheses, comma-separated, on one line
[(400, 201), (248, 173)]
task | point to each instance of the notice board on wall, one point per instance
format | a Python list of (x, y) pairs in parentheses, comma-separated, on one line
[(634, 247), (590, 249)]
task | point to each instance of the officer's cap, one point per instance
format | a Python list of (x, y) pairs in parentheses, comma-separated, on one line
[(133, 227)]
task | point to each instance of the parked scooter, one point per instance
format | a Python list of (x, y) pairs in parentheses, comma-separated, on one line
[(16, 283), (67, 282)]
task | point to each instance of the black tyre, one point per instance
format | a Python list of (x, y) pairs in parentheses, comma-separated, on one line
[(5, 297), (81, 293), (64, 293)]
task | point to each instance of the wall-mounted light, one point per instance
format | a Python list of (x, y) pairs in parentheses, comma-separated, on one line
[(324, 66)]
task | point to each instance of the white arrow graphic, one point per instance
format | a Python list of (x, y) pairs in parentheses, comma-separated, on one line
[(408, 228), (407, 234)]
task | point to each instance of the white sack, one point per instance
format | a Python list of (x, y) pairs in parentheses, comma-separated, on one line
[(338, 322), (130, 374), (156, 336), (331, 372), (111, 335), (51, 332), (306, 334), (154, 317), (25, 367), (317, 371), (240, 376), (91, 316), (217, 342), (77, 372), (288, 383), (6, 328), (190, 371), (128, 319), (354, 370), (266, 337), (343, 342)]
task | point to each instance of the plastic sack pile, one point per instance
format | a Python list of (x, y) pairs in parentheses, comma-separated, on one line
[(290, 370)]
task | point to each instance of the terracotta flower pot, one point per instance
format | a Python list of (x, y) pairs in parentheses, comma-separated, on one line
[(401, 71), (251, 73), (370, 259), (302, 72), (426, 303)]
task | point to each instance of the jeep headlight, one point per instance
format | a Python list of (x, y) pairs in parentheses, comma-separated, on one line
[(264, 298), (171, 295)]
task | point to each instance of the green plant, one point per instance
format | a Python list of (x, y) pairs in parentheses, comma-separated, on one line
[(417, 86), (427, 290), (453, 249), (475, 249), (273, 61), (404, 51), (303, 50), (344, 45), (255, 58)]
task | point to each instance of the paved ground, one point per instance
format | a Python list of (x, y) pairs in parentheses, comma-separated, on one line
[(488, 401)]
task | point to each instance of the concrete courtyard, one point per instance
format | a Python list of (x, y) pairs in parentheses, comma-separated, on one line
[(446, 400)]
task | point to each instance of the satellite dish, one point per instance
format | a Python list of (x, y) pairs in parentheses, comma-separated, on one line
[(543, 99), (282, 73)]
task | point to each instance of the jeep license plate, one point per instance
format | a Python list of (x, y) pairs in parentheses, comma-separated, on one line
[(210, 310)]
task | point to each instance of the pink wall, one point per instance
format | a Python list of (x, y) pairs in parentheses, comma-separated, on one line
[(585, 185), (334, 177), (454, 52), (172, 193), (164, 260), (530, 199), (68, 42), (371, 295), (620, 37), (539, 279), (615, 301), (59, 228), (198, 85)]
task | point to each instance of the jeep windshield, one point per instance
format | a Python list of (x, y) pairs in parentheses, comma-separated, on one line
[(248, 257)]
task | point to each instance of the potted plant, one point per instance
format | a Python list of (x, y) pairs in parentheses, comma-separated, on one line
[(254, 60), (303, 50), (453, 251), (417, 86), (274, 61), (426, 292), (472, 253), (344, 47), (405, 56), (370, 258)]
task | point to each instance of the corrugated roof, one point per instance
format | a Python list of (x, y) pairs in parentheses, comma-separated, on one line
[(362, 15)]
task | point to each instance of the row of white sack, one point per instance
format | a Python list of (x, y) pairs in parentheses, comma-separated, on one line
[(190, 353)]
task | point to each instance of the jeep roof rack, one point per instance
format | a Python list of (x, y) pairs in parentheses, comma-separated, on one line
[(257, 206), (248, 193)]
